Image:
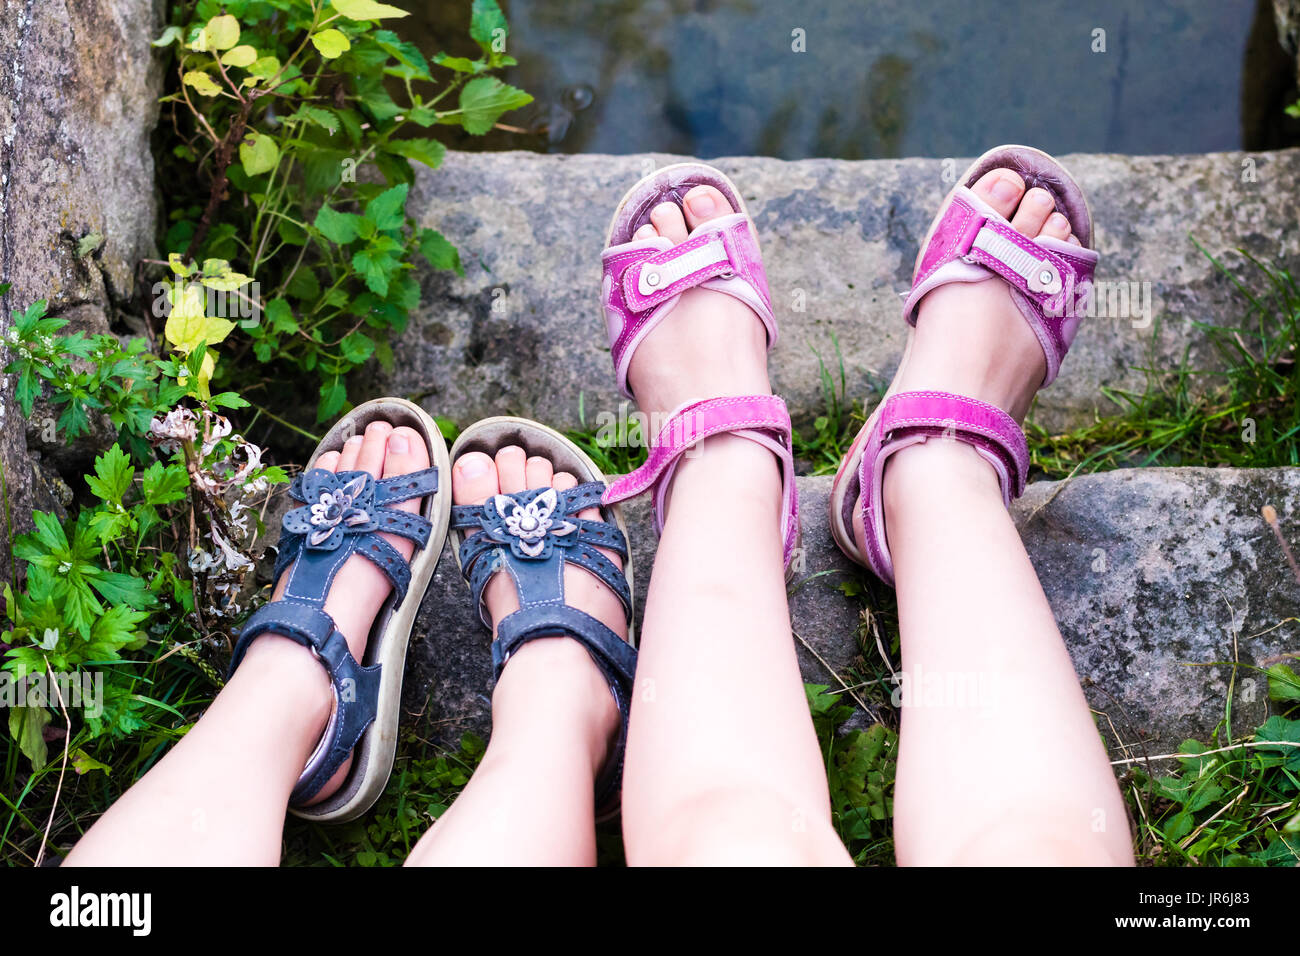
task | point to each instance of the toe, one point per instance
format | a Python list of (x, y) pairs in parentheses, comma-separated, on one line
[(538, 472), (329, 461), (374, 448), (351, 452), (1032, 212), (1001, 189), (1074, 239), (668, 221), (511, 463), (1057, 226), (647, 231), (704, 203), (473, 479)]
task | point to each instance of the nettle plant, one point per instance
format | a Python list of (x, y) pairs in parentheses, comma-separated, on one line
[(298, 115), (153, 561)]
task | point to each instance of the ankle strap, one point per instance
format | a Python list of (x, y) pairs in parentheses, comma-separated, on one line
[(763, 419)]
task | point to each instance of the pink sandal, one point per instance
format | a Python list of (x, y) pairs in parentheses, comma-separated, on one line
[(1050, 280), (644, 279)]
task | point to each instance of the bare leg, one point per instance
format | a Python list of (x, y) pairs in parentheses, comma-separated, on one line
[(722, 762), (1000, 762), (220, 795), (530, 802)]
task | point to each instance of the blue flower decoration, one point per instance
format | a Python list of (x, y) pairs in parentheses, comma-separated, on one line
[(529, 526), (337, 504)]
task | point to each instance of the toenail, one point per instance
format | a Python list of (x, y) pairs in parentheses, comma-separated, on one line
[(398, 445), (1005, 190), (355, 440), (1041, 198), (702, 204), (1057, 221), (472, 466)]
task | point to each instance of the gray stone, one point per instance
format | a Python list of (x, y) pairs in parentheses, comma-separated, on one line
[(79, 88), (1157, 578), (522, 332)]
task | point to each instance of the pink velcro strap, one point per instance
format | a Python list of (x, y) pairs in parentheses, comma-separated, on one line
[(909, 418), (977, 423), (760, 418)]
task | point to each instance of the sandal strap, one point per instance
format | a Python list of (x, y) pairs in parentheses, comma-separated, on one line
[(356, 688), (532, 535), (342, 514), (910, 418), (645, 278), (763, 419), (1050, 279)]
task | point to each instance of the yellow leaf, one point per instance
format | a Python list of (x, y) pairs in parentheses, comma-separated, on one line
[(201, 82), (188, 325), (221, 33), (366, 9), (330, 43), (177, 262), (240, 56)]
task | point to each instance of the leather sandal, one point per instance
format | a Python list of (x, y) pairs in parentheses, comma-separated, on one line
[(342, 514), (1050, 281), (643, 280), (532, 535)]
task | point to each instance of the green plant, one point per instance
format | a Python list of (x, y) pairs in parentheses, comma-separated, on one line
[(150, 564), (299, 110), (860, 773), (1230, 803)]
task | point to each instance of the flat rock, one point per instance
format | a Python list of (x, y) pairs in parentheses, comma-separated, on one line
[(522, 332), (1159, 579)]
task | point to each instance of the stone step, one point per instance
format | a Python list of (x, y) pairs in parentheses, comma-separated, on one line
[(1159, 579), (522, 332)]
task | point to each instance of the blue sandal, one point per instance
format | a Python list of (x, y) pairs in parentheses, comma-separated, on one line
[(342, 514), (533, 535)]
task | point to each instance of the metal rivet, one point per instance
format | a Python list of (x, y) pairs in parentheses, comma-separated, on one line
[(652, 279)]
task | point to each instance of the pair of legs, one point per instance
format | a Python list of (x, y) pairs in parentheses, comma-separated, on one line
[(716, 640)]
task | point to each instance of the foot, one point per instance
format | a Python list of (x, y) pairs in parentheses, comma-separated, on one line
[(971, 339), (711, 344), (359, 589), (558, 669)]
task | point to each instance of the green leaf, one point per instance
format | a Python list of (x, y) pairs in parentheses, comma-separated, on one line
[(332, 397), (260, 155), (119, 588), (1283, 683), (164, 483), (318, 115), (89, 243), (427, 151), (375, 267), (487, 26), (280, 315), (366, 9), (112, 478), (483, 100), (460, 64), (388, 209), (240, 56), (330, 43), (339, 228), (202, 83), (440, 253), (27, 727)]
